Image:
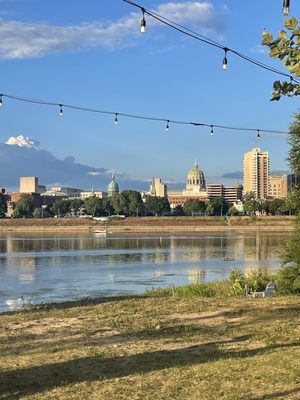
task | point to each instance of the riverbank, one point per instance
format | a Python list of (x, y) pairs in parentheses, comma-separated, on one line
[(152, 224), (153, 348)]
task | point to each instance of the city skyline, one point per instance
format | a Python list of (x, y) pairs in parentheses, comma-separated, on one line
[(110, 65)]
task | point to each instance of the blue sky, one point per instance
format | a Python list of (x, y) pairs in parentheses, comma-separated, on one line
[(92, 54)]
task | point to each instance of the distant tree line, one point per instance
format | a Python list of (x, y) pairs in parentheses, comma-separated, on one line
[(130, 203)]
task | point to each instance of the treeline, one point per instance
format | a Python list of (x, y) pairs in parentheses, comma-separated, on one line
[(130, 203)]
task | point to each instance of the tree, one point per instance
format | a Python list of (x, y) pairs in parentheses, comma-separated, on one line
[(286, 47), (209, 209), (3, 204), (220, 206), (94, 206), (232, 211), (76, 204), (24, 206), (132, 201), (157, 205), (251, 204), (192, 206), (60, 207)]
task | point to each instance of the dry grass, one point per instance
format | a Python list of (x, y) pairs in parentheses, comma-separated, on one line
[(153, 348)]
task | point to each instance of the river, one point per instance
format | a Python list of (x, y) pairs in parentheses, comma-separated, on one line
[(40, 268)]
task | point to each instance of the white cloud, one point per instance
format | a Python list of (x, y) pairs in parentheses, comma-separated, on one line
[(22, 40), (23, 141)]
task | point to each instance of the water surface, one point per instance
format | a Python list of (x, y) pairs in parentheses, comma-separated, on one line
[(59, 266)]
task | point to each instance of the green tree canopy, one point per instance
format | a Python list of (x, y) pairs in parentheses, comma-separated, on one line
[(192, 206), (60, 207), (251, 204), (286, 47), (220, 206), (94, 206), (157, 205), (24, 206), (3, 204)]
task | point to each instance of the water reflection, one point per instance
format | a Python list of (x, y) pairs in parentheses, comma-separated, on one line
[(59, 267)]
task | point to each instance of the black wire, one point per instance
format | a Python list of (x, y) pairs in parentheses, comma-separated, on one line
[(134, 116), (204, 39)]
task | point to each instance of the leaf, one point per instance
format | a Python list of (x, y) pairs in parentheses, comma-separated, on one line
[(267, 39), (282, 34), (296, 32), (295, 69), (291, 23), (277, 85), (274, 52), (276, 97)]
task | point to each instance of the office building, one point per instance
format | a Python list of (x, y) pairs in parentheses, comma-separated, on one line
[(256, 173)]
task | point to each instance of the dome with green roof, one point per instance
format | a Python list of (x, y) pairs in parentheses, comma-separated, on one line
[(195, 179), (113, 187)]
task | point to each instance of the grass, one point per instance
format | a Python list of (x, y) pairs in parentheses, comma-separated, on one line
[(153, 347)]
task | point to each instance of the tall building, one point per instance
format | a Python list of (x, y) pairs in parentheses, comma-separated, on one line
[(256, 173), (30, 184), (157, 188)]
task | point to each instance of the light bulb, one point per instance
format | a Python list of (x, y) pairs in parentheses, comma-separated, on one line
[(116, 119), (286, 7), (258, 135), (61, 111), (143, 23), (1, 100), (168, 125), (225, 62), (212, 130), (264, 32)]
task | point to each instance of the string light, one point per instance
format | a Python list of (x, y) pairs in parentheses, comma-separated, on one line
[(135, 116), (258, 134), (1, 100), (211, 130), (61, 111), (195, 35), (225, 62), (264, 32), (286, 7), (143, 22), (168, 125), (116, 119)]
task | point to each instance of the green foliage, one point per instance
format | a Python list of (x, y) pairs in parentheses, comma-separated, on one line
[(209, 289), (220, 206), (192, 206), (24, 206), (286, 47), (209, 209), (128, 202), (37, 213), (94, 206), (256, 281), (232, 211), (76, 204), (3, 204), (294, 141), (157, 205), (178, 210), (251, 204), (60, 207)]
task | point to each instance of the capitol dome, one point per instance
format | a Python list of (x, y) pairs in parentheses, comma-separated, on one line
[(113, 187), (195, 179)]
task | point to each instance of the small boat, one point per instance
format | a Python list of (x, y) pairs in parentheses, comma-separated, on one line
[(228, 259), (102, 232)]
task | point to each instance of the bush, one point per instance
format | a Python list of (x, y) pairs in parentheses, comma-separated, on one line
[(288, 280)]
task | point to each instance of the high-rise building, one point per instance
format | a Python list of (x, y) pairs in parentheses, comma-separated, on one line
[(30, 184), (157, 188), (256, 173)]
